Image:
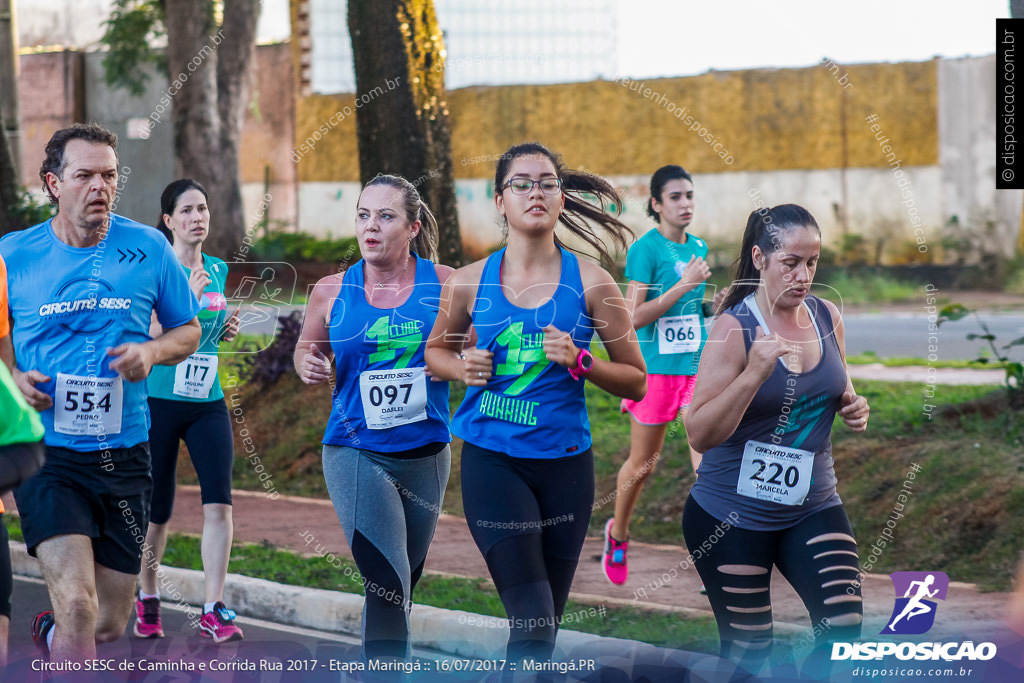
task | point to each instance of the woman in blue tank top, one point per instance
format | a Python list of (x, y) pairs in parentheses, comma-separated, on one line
[(527, 468), (771, 381), (386, 456)]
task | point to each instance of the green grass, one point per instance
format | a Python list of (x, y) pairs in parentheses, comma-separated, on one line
[(869, 357), (842, 288)]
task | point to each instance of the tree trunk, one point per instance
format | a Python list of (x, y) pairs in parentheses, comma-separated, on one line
[(402, 122), (210, 69), (9, 179), (8, 188)]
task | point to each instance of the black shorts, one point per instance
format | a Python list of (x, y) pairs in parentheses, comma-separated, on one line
[(206, 429), (6, 574), (101, 494)]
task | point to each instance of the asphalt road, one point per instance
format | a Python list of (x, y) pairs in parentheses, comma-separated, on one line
[(888, 335), (897, 335), (270, 653)]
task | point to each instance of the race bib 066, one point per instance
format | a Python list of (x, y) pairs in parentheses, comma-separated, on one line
[(679, 334)]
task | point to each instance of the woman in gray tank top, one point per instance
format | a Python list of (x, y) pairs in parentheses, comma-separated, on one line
[(771, 381)]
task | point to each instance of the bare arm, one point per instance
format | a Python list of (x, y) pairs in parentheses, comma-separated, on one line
[(624, 373), (313, 354), (7, 351), (727, 381), (646, 312), (447, 354)]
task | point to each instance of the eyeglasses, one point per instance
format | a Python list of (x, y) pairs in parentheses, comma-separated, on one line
[(521, 185)]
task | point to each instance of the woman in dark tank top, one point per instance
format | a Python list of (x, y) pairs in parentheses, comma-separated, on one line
[(771, 381)]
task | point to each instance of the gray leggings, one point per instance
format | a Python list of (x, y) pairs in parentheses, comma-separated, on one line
[(388, 508)]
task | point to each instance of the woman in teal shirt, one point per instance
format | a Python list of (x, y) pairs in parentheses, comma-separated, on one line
[(186, 402)]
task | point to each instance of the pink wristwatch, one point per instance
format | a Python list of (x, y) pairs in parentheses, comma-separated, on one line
[(584, 364)]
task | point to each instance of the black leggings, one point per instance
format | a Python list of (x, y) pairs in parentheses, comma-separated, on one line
[(206, 429), (818, 557), (529, 518)]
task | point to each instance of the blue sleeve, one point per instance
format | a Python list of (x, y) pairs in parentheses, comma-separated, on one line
[(175, 304), (639, 264)]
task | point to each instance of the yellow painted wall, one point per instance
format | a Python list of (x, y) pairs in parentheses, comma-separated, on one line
[(767, 119)]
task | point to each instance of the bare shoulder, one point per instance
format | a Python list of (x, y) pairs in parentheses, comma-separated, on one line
[(833, 310), (468, 275), (726, 327), (328, 287), (443, 272), (594, 275)]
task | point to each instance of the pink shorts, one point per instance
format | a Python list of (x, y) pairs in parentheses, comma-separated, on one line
[(666, 396)]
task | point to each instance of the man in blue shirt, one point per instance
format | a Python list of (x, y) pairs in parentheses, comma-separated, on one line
[(83, 288)]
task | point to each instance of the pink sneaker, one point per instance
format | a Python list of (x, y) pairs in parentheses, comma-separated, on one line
[(220, 625), (147, 621), (613, 560)]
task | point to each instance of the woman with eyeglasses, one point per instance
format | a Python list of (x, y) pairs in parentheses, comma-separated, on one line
[(527, 467)]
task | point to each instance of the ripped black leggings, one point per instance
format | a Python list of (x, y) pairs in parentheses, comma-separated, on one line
[(818, 557)]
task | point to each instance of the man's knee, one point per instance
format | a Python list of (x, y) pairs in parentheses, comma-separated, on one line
[(80, 609), (110, 632)]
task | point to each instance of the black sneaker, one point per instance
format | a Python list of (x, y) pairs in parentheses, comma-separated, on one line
[(41, 625)]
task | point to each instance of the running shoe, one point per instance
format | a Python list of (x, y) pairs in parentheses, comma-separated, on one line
[(219, 624), (613, 560), (147, 621), (41, 625)]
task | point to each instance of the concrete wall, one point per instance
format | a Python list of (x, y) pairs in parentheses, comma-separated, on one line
[(51, 95), (967, 155), (723, 203), (59, 88), (146, 166), (794, 135)]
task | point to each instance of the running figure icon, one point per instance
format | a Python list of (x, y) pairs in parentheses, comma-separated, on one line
[(915, 606), (917, 595)]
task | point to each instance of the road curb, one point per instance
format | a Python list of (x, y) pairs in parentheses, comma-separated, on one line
[(462, 634)]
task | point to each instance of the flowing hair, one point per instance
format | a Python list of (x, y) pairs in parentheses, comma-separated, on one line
[(765, 228), (425, 242), (578, 187)]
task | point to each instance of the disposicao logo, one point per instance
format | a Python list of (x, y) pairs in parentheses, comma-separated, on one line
[(913, 614), (916, 593)]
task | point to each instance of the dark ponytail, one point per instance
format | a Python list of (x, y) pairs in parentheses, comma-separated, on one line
[(766, 229), (169, 201), (580, 190)]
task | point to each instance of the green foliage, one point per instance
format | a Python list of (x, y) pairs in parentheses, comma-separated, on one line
[(853, 249), (266, 366), (1014, 369), (130, 32), (29, 211), (300, 247)]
